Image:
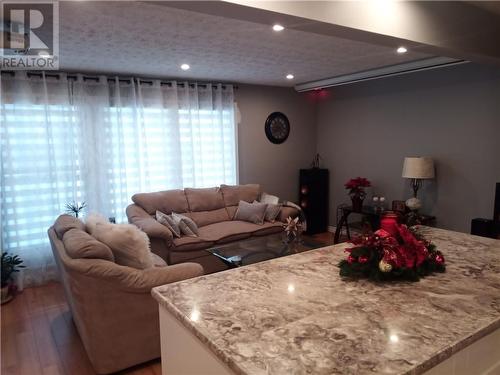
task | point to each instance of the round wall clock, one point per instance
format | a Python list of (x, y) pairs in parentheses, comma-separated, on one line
[(277, 127)]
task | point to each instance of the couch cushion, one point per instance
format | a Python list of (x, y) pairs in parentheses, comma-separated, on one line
[(130, 245), (233, 194), (65, 223), (187, 243), (203, 218), (206, 199), (80, 244), (235, 230), (164, 201), (268, 228)]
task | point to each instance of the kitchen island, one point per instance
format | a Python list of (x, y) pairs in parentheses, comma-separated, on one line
[(296, 315)]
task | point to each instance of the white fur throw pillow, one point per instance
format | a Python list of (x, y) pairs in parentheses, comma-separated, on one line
[(130, 245), (92, 220)]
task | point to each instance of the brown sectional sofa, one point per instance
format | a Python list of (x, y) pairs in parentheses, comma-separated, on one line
[(212, 209), (111, 305)]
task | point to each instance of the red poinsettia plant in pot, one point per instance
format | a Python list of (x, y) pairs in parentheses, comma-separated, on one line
[(405, 255), (356, 187)]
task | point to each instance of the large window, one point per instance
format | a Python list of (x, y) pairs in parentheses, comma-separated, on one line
[(101, 142)]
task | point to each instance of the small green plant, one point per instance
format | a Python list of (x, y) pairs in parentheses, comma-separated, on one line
[(10, 264), (75, 208)]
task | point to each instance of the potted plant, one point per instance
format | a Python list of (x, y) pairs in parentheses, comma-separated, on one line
[(356, 187), (75, 208), (10, 264)]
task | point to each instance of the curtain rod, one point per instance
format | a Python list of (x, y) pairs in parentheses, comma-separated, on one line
[(73, 76)]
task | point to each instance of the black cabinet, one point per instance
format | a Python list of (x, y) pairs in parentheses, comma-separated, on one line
[(313, 198)]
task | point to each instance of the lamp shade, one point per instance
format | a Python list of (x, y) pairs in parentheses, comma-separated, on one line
[(420, 168)]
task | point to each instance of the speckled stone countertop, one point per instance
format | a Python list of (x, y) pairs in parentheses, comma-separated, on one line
[(295, 315)]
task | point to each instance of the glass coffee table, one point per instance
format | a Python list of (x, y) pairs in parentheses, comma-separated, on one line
[(258, 249)]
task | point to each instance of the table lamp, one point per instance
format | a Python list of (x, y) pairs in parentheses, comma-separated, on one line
[(417, 169)]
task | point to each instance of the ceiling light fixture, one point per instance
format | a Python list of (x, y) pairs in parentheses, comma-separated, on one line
[(278, 27), (289, 76), (401, 50), (185, 67)]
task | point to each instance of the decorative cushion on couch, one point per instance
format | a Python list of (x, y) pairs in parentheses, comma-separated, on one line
[(251, 212), (269, 199), (169, 222), (186, 224), (272, 211), (130, 245), (80, 244)]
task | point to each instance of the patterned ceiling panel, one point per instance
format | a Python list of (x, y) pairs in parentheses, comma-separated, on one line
[(147, 39)]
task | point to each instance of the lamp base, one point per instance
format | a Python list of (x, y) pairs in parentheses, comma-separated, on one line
[(413, 203)]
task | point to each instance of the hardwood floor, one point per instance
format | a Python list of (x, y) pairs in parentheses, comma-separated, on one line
[(38, 335)]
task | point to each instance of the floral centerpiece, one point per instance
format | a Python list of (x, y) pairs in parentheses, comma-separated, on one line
[(356, 187), (405, 255)]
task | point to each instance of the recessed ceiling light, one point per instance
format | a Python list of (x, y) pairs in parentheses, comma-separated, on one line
[(289, 76), (185, 67), (278, 27), (401, 50)]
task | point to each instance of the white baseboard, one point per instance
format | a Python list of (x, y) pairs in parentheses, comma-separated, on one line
[(331, 228)]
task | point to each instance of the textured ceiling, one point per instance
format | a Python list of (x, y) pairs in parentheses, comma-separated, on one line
[(147, 39)]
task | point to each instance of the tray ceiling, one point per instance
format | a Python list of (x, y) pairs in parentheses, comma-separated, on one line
[(152, 39)]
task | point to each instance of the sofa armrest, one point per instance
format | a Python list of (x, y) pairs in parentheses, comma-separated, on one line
[(140, 218), (285, 212), (157, 276), (132, 280)]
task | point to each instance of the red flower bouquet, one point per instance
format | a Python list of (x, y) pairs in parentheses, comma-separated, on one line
[(382, 256), (356, 186)]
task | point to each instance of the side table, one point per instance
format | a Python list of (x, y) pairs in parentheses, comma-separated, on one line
[(373, 216)]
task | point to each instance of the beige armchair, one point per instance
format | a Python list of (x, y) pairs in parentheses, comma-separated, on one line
[(112, 307)]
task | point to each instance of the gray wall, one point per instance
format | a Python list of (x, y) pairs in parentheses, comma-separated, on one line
[(275, 167), (451, 114)]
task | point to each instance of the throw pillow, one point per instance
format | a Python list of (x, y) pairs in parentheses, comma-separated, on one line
[(252, 212), (188, 221), (272, 211), (269, 199), (130, 245), (169, 222), (92, 220), (183, 227)]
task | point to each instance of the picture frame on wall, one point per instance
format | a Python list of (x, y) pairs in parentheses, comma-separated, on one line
[(399, 206)]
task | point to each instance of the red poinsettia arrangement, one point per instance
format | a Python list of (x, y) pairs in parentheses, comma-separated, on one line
[(381, 256), (356, 186)]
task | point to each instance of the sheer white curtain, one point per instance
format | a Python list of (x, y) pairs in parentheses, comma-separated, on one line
[(102, 140)]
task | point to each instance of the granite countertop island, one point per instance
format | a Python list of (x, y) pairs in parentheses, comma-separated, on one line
[(295, 315)]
